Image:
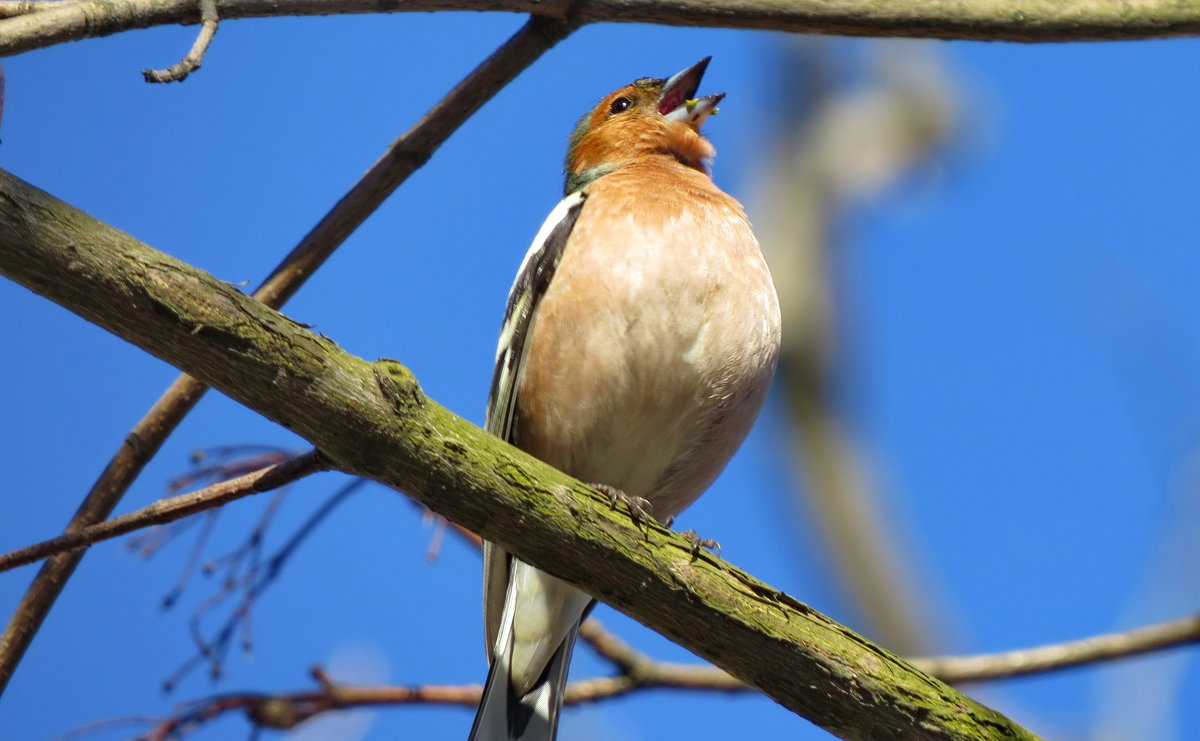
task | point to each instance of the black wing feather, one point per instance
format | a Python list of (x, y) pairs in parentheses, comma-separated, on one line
[(527, 292)]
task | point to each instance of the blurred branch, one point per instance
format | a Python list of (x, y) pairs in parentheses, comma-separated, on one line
[(47, 24), (405, 155), (250, 580), (1152, 347), (373, 420), (636, 671), (148, 543), (169, 510), (838, 143)]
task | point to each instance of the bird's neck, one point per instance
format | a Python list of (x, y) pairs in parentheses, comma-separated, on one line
[(593, 156), (665, 164), (687, 146)]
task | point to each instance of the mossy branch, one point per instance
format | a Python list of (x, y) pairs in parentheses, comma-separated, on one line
[(372, 419)]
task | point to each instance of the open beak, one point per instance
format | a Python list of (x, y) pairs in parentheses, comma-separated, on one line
[(678, 101)]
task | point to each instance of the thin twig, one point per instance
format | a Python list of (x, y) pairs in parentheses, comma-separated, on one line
[(251, 582), (224, 462), (207, 527), (109, 723), (223, 469), (401, 159), (169, 510), (195, 56)]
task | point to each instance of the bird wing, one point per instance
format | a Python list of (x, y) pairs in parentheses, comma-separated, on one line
[(527, 291)]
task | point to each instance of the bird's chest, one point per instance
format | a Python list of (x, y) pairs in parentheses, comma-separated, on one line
[(640, 351)]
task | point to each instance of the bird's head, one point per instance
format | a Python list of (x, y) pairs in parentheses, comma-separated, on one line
[(650, 116)]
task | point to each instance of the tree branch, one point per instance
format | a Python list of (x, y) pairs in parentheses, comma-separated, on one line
[(286, 711), (169, 510), (195, 56), (372, 419), (405, 155), (1051, 657), (638, 671), (46, 24), (635, 669)]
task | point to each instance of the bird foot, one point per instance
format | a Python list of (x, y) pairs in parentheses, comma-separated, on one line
[(697, 543), (639, 507)]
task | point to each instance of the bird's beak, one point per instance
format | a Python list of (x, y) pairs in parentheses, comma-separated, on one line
[(678, 101)]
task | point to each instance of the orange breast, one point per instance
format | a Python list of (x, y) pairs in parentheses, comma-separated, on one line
[(654, 344)]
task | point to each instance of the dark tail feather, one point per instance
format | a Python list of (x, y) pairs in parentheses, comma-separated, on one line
[(505, 716)]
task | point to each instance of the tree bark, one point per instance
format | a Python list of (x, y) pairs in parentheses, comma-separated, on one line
[(372, 419), (33, 25)]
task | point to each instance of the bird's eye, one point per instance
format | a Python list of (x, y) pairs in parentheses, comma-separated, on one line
[(619, 105)]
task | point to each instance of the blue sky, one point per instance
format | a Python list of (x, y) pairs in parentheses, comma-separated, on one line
[(1023, 369)]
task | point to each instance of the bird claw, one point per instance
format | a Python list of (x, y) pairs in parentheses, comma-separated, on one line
[(639, 507), (697, 543)]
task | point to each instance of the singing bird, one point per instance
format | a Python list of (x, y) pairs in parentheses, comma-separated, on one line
[(639, 341)]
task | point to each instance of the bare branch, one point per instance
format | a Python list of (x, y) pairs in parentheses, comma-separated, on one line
[(1052, 657), (636, 671), (1009, 20), (195, 56), (169, 510), (285, 711), (402, 158)]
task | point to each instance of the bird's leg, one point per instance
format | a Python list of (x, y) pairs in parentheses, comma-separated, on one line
[(639, 507), (697, 543)]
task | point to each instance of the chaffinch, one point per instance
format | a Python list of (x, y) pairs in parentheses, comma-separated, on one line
[(639, 342)]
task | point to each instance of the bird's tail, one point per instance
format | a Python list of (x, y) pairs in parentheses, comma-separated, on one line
[(504, 715)]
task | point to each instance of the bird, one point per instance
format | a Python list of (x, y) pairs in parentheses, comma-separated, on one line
[(638, 345)]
